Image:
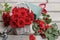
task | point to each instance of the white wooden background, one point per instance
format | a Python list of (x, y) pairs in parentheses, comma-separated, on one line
[(53, 7)]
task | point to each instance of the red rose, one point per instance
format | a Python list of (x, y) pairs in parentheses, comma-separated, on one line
[(28, 21), (37, 21), (15, 10), (31, 15), (14, 16), (32, 37), (6, 18), (24, 9), (23, 12), (47, 26), (44, 11), (13, 24), (21, 23), (42, 24)]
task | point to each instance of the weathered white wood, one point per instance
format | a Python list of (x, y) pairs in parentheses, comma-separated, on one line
[(24, 37), (53, 7), (49, 7), (9, 0), (23, 0), (1, 0), (17, 37), (29, 0), (54, 0), (2, 28), (55, 16)]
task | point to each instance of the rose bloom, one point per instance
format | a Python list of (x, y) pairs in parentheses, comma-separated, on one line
[(23, 11), (28, 21), (15, 10), (32, 37), (21, 23), (6, 18), (42, 24), (13, 24), (31, 15), (44, 11), (47, 26)]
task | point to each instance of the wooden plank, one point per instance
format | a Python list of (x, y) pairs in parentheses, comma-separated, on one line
[(50, 6), (24, 37), (23, 0), (1, 0), (2, 28), (30, 1), (17, 37), (53, 7), (54, 1), (55, 16), (9, 1)]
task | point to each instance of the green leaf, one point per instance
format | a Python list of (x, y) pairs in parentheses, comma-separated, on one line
[(56, 37), (48, 21), (55, 27), (55, 33), (6, 5), (48, 16), (59, 32), (51, 38), (35, 27), (49, 30), (43, 14)]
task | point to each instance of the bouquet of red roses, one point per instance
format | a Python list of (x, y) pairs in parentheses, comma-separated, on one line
[(19, 18)]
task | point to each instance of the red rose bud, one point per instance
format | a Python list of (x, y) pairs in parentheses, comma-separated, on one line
[(46, 18), (32, 37), (47, 26), (40, 31), (44, 11), (43, 36)]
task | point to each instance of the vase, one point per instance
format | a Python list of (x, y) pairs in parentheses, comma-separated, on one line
[(19, 31), (25, 30)]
